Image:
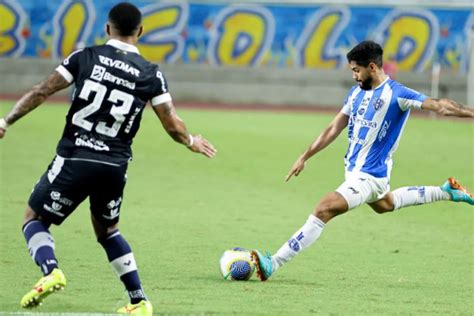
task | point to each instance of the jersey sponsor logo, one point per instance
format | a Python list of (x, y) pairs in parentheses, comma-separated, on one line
[(361, 111), (113, 206), (99, 74), (366, 123), (383, 130), (92, 143), (113, 214), (56, 196), (378, 104), (119, 81), (118, 64), (54, 208)]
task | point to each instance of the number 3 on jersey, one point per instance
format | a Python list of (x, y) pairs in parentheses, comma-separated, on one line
[(117, 111)]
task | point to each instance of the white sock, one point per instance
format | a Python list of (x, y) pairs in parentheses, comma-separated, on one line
[(302, 239), (408, 196)]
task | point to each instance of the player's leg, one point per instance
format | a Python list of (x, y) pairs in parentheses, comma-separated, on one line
[(418, 195), (121, 258), (40, 241), (50, 202), (41, 247), (106, 199), (352, 193), (329, 206)]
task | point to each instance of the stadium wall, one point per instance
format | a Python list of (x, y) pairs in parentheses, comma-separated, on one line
[(236, 85), (276, 52)]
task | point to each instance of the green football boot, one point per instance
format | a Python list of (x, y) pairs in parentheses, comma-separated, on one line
[(263, 263), (143, 308), (457, 192), (47, 285)]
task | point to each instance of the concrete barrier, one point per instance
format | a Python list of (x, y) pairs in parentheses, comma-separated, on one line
[(264, 85)]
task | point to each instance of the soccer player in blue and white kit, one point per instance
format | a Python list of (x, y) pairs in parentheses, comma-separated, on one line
[(375, 112)]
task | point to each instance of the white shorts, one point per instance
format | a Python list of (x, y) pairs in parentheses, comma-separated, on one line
[(360, 188)]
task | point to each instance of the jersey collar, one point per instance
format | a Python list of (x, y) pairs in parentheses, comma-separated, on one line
[(123, 46), (382, 83)]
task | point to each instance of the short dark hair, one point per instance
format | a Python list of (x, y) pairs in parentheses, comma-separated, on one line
[(366, 52), (126, 18)]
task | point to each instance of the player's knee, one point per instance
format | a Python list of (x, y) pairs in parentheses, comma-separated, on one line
[(31, 215), (324, 211), (105, 233), (101, 238)]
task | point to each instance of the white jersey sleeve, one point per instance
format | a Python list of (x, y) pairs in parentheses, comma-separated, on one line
[(346, 108), (160, 90), (408, 98), (69, 68)]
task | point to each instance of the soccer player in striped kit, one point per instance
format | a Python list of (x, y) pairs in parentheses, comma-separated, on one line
[(375, 112)]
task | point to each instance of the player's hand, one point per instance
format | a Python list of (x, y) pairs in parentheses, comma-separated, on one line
[(202, 146), (298, 166), (3, 127)]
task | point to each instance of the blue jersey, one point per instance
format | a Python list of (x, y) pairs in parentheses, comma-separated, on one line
[(376, 121)]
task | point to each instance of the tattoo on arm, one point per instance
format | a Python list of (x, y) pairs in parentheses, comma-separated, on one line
[(453, 108), (37, 95), (171, 122), (179, 137), (169, 109)]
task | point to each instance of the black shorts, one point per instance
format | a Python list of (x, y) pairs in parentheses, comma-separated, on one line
[(68, 182)]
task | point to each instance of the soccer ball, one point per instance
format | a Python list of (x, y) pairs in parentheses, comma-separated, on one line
[(236, 264)]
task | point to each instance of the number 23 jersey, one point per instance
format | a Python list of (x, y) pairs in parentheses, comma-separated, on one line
[(113, 83)]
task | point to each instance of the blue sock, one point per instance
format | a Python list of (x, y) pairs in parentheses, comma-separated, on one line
[(121, 257), (40, 245)]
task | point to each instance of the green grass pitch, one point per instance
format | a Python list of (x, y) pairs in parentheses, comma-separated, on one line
[(181, 211)]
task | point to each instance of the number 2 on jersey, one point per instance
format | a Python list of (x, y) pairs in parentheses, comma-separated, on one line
[(117, 111)]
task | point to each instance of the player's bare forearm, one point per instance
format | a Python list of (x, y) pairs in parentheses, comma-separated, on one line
[(329, 134), (172, 123), (177, 130), (36, 96), (448, 107)]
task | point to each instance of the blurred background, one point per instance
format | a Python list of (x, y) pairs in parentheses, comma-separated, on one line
[(289, 53)]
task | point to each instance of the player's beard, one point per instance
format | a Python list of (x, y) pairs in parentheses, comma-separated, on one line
[(366, 84)]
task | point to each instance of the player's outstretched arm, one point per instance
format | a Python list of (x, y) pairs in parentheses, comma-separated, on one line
[(176, 128), (29, 101), (329, 134), (447, 107)]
